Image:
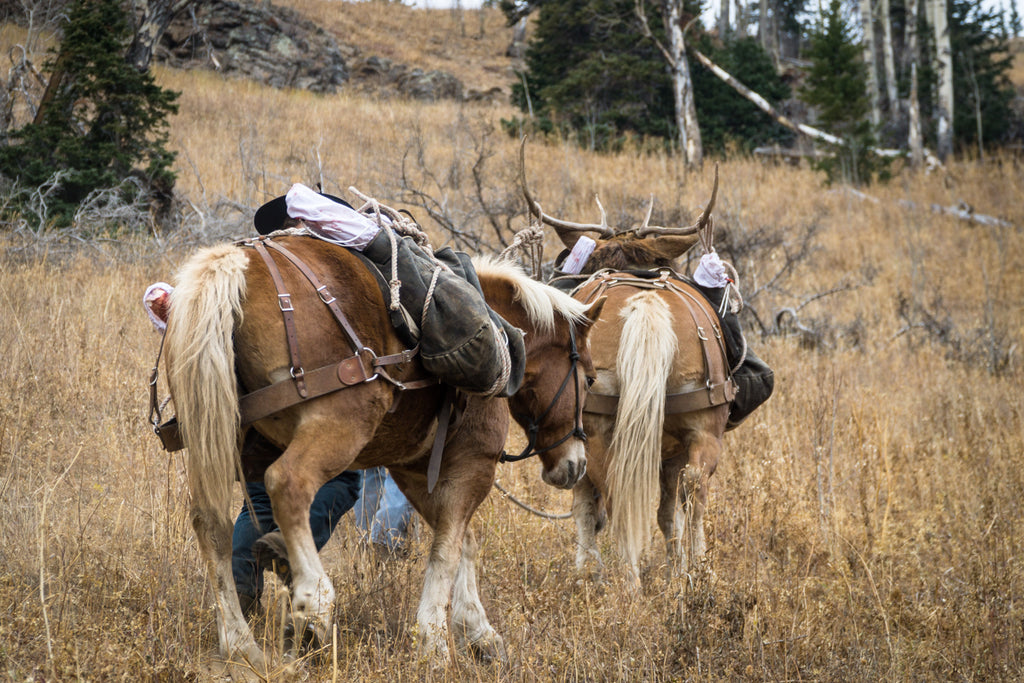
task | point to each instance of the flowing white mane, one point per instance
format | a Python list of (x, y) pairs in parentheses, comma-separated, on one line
[(540, 301)]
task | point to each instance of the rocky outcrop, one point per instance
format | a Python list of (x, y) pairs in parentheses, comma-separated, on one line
[(381, 74), (277, 46), (273, 45)]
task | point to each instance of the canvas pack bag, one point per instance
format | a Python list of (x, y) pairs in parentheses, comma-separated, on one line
[(462, 341)]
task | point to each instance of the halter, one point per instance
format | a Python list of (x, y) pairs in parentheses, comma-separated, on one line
[(577, 431)]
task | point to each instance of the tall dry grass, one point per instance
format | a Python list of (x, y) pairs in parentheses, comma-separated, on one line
[(863, 525)]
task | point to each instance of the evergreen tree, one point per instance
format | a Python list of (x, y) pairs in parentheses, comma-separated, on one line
[(101, 119), (981, 83), (836, 87), (590, 72), (726, 117)]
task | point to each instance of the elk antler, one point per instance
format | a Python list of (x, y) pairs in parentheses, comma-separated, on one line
[(689, 230), (565, 229)]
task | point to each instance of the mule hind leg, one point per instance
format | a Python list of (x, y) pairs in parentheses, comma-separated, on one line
[(702, 459), (318, 451), (213, 535)]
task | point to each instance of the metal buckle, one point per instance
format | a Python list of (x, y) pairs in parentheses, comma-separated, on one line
[(373, 362), (284, 302), (321, 290), (701, 334)]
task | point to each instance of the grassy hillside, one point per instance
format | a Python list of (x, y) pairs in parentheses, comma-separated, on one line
[(864, 525)]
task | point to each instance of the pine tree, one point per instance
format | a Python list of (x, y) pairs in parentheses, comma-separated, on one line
[(726, 117), (836, 87), (590, 73), (101, 119)]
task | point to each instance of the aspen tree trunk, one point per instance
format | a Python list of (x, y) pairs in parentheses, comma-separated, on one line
[(868, 25), (724, 19), (889, 59), (682, 85), (914, 135), (944, 57), (154, 16), (913, 106)]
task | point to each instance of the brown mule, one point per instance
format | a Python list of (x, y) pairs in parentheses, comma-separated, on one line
[(225, 318), (657, 413)]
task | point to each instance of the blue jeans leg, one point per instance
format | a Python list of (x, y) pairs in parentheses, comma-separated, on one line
[(333, 500), (369, 499), (391, 522)]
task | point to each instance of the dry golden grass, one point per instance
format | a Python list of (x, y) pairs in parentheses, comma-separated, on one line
[(864, 524)]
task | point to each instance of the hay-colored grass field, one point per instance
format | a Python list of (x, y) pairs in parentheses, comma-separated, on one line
[(864, 524)]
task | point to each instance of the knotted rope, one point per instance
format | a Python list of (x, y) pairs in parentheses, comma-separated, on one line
[(404, 225), (732, 300), (530, 242)]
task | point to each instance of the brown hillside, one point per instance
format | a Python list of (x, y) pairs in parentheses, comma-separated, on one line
[(470, 44)]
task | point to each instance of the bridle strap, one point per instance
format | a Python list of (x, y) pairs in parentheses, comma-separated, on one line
[(534, 427)]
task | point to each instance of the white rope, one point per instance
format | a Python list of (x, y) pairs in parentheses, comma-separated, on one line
[(539, 513), (403, 225), (530, 242)]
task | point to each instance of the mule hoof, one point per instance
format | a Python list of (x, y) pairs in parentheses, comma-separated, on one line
[(490, 650), (304, 640)]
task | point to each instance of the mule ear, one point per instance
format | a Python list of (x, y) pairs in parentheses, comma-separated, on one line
[(594, 312), (671, 246)]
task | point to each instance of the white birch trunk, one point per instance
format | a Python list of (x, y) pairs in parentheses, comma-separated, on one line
[(944, 58), (682, 86), (724, 19), (889, 59), (913, 106), (868, 25)]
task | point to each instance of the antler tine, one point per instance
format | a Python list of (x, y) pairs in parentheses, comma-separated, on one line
[(564, 228), (701, 223), (647, 218), (604, 216)]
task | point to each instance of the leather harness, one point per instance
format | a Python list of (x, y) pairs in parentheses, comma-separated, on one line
[(719, 386), (363, 366)]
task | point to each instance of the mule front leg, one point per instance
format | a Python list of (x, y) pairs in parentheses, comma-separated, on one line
[(213, 533), (585, 515), (469, 621), (438, 580)]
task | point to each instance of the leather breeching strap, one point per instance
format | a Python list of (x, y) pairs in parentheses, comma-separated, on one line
[(363, 366), (719, 387)]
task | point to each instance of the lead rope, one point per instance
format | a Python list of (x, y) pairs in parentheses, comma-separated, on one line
[(539, 513), (530, 242)]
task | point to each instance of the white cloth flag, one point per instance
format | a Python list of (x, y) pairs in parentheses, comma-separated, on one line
[(577, 258), (711, 271), (330, 220)]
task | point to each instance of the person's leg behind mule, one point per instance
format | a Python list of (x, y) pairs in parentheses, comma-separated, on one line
[(390, 528)]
